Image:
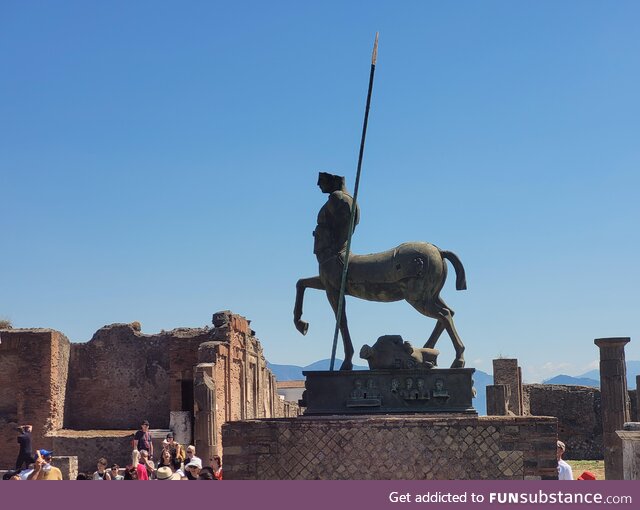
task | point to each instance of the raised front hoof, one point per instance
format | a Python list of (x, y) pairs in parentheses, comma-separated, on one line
[(302, 326), (459, 363), (346, 365)]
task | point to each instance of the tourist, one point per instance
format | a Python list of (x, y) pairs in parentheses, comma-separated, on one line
[(217, 467), (145, 467), (25, 455), (191, 453), (135, 459), (25, 473), (564, 469), (115, 473), (43, 470), (206, 473), (193, 468), (165, 459), (11, 475), (130, 473), (102, 473), (177, 468), (142, 439), (176, 449), (165, 473)]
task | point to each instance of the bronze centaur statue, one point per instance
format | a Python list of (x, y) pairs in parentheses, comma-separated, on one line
[(415, 272)]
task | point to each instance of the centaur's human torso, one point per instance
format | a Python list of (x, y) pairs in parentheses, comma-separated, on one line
[(332, 230)]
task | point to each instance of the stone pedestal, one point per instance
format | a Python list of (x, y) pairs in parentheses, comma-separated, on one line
[(392, 447), (615, 401), (389, 391), (630, 437)]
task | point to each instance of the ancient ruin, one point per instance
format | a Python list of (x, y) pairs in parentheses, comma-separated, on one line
[(86, 399)]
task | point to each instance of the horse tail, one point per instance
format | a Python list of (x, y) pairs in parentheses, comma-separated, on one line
[(461, 279)]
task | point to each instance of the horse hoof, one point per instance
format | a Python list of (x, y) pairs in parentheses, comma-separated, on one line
[(459, 363), (346, 365), (302, 326)]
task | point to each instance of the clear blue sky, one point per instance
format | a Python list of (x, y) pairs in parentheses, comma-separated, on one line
[(158, 162)]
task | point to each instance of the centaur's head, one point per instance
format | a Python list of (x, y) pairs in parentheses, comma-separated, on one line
[(329, 183)]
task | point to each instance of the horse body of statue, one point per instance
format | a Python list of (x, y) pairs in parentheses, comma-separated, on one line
[(414, 271)]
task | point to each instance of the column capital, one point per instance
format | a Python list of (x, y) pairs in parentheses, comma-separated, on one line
[(612, 342)]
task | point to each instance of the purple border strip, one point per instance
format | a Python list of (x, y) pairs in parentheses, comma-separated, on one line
[(323, 495)]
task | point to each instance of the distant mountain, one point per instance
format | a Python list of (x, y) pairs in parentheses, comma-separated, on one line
[(572, 381), (480, 382), (294, 373), (633, 370)]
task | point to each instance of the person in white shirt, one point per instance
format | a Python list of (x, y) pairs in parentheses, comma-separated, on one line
[(564, 469)]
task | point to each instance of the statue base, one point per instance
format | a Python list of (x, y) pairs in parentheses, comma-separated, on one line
[(389, 391)]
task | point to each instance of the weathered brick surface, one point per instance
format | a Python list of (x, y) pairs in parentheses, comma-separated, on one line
[(88, 447), (117, 379), (33, 376), (391, 447), (579, 414)]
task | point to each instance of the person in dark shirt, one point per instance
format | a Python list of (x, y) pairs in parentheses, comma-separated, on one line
[(142, 439), (25, 455)]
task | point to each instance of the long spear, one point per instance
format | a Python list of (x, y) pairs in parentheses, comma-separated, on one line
[(354, 208)]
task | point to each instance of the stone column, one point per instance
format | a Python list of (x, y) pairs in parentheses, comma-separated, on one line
[(506, 371), (638, 397), (630, 437), (615, 402), (204, 397), (498, 400)]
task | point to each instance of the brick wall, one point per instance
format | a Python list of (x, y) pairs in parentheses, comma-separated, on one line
[(117, 379), (579, 414), (32, 386), (391, 447), (89, 446)]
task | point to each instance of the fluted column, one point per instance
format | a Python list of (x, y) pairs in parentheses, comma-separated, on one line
[(615, 402)]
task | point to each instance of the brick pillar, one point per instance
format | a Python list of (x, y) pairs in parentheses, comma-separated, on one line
[(506, 371), (615, 402), (498, 400)]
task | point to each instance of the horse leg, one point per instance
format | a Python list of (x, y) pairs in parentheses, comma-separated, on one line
[(304, 283), (439, 328), (444, 316), (435, 335), (333, 296)]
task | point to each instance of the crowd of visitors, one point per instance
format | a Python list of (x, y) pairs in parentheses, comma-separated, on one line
[(174, 463)]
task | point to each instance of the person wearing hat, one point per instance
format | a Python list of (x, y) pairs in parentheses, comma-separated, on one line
[(587, 475), (142, 439), (564, 469), (193, 468), (165, 473), (43, 470)]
